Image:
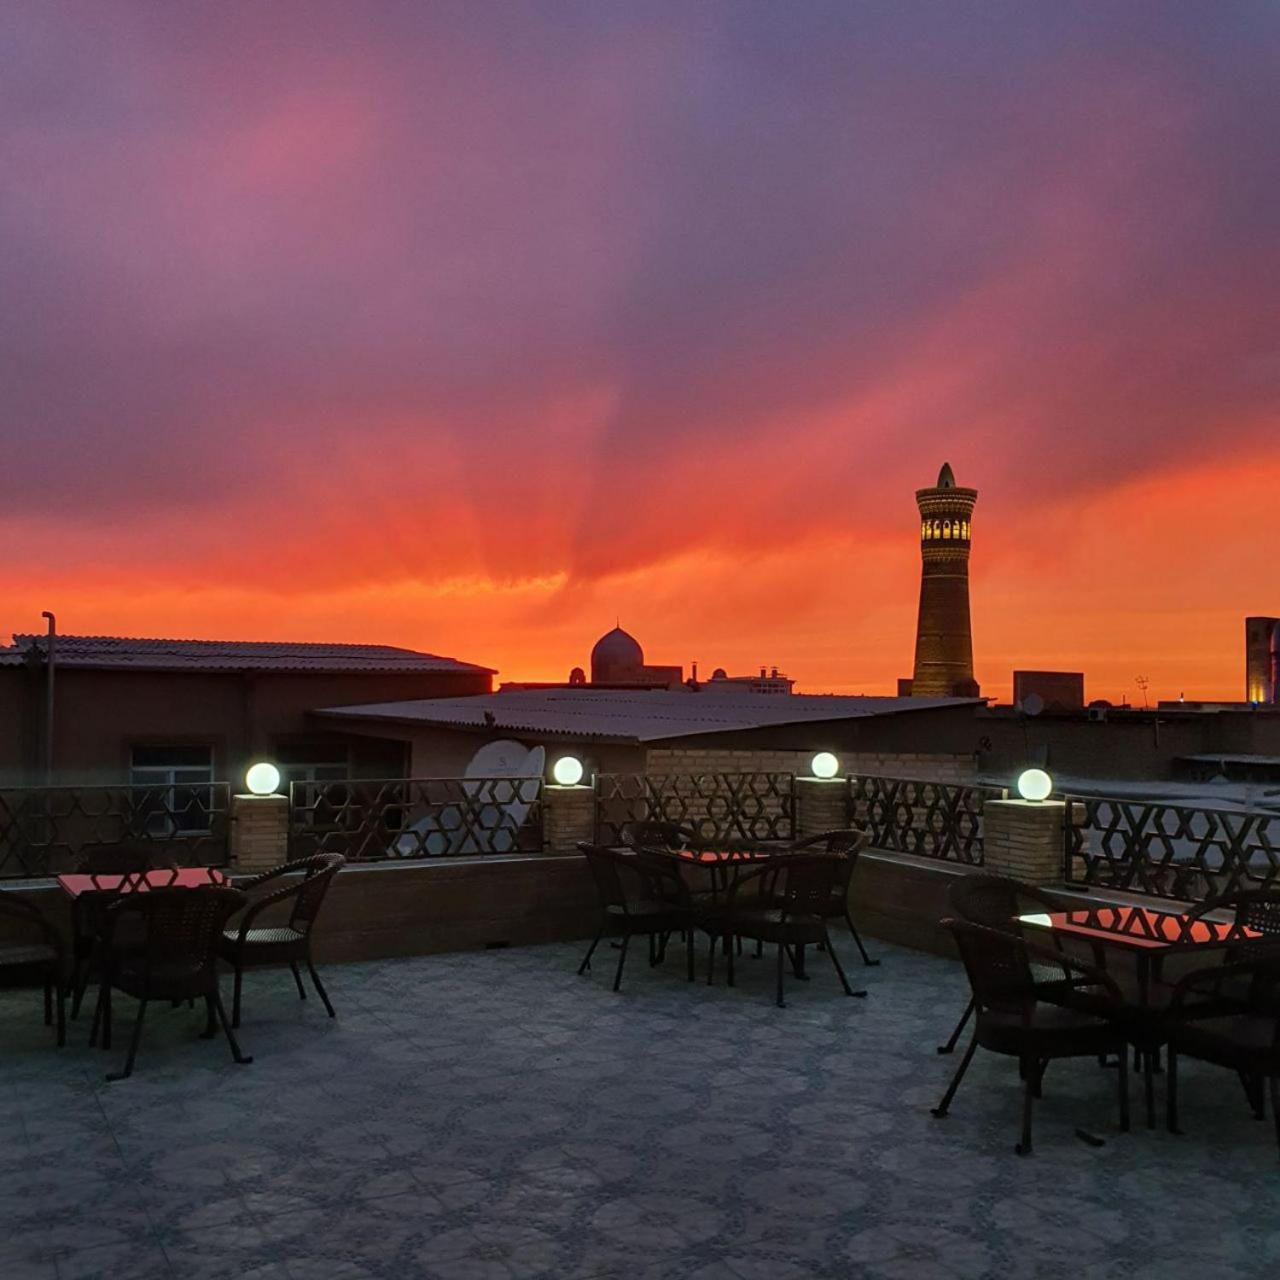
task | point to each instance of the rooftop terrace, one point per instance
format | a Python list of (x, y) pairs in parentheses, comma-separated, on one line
[(488, 1115)]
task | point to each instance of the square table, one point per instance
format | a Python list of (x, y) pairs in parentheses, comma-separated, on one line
[(1149, 936)]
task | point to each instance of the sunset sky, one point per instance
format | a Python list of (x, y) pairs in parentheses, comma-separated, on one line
[(473, 327)]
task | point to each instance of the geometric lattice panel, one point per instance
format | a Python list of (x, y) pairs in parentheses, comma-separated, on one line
[(371, 820), (725, 809), (44, 830), (1169, 851), (933, 819)]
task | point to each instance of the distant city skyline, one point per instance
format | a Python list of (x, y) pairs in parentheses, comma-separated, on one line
[(473, 329)]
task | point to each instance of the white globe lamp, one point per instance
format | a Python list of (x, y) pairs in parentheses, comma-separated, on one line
[(1035, 785), (825, 765), (262, 779), (567, 771)]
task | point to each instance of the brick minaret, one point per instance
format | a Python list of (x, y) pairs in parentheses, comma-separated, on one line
[(944, 640)]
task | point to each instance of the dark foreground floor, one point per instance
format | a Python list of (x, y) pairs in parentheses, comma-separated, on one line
[(490, 1115)]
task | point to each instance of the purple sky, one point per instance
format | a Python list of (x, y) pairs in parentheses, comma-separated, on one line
[(302, 298)]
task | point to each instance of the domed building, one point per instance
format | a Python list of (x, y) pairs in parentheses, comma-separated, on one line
[(617, 655), (618, 659)]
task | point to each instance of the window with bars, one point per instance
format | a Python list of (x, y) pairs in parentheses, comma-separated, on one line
[(177, 795)]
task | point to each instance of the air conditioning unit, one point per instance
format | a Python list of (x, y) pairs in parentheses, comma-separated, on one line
[(1097, 714)]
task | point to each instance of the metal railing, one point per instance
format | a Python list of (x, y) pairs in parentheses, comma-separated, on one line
[(46, 830), (912, 815), (722, 808), (1166, 850), (374, 820)]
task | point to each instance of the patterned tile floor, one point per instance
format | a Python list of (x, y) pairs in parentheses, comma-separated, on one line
[(490, 1116)]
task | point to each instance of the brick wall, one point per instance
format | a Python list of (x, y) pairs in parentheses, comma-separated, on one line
[(935, 768)]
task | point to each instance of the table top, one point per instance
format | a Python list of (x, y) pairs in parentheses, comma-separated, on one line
[(1141, 929), (159, 878)]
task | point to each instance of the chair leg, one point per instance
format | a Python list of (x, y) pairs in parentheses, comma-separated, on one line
[(297, 980), (711, 958), (236, 985), (835, 960), (1170, 1090), (689, 951), (728, 954), (1253, 1091), (1123, 1077), (1149, 1086), (862, 951), (949, 1047), (1023, 1148), (240, 1057), (782, 951), (102, 1016), (622, 959), (61, 997), (1274, 1084), (319, 986), (48, 1000), (79, 985), (210, 1020), (586, 960), (944, 1106), (133, 1045)]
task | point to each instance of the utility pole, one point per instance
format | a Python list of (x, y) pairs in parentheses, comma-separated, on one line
[(49, 666)]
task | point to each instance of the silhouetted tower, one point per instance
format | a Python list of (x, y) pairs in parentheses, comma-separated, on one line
[(944, 639)]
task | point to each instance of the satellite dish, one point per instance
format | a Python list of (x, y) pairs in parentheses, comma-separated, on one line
[(1032, 704), (494, 823)]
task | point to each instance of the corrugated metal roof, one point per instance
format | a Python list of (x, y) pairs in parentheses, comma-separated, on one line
[(126, 653), (634, 716)]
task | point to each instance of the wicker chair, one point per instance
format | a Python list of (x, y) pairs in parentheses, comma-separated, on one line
[(659, 835), (1228, 1015), (88, 911), (787, 901), (640, 893), (1012, 1017), (1256, 909), (175, 961), (848, 844), (47, 956), (289, 942), (995, 902)]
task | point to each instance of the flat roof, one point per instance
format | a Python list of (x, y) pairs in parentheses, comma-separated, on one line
[(634, 715), (128, 653)]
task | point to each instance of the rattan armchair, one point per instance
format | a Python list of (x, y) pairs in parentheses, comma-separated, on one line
[(639, 893), (786, 901), (46, 956), (847, 844), (282, 943), (1228, 1015), (659, 835), (131, 858), (175, 959), (995, 902), (1012, 1017)]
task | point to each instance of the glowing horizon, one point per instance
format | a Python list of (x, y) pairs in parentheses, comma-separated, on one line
[(473, 331)]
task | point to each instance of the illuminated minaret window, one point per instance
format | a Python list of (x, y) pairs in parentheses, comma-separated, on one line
[(944, 639)]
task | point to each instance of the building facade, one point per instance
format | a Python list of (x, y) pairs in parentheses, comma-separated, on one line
[(182, 712)]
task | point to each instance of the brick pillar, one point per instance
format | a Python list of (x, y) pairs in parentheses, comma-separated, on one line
[(1024, 839), (568, 815), (821, 805), (259, 832)]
